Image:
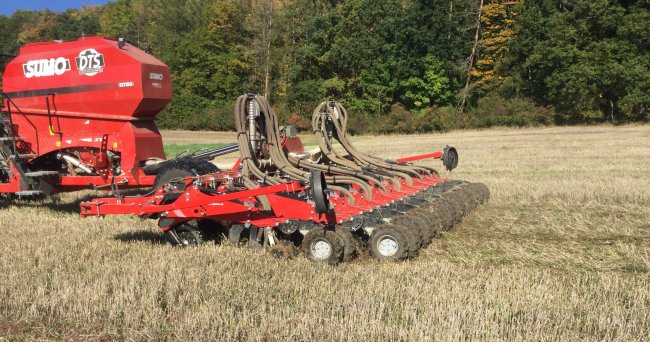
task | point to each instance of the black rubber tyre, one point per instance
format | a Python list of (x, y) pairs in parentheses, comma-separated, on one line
[(349, 243), (427, 228), (437, 220), (181, 168), (485, 191), (283, 250), (216, 231), (184, 235), (473, 197), (323, 246), (454, 207), (361, 241), (481, 192), (458, 196), (388, 243), (443, 208), (418, 225), (411, 231)]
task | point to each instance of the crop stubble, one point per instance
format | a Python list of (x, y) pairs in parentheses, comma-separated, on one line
[(561, 252)]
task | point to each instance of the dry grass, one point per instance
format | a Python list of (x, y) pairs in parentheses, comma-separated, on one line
[(561, 252)]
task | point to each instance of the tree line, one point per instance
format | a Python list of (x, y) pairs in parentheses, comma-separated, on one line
[(397, 65)]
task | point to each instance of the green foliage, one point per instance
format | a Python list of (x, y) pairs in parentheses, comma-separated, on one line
[(494, 110), (590, 60), (397, 65), (432, 89)]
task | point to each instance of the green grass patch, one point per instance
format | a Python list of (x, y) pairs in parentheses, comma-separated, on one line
[(172, 150)]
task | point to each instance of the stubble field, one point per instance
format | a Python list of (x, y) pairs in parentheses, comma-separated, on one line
[(560, 252)]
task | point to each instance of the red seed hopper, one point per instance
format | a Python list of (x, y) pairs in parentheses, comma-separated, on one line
[(80, 114)]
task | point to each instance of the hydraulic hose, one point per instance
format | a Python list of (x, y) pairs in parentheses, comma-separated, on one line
[(337, 117), (271, 150), (293, 166)]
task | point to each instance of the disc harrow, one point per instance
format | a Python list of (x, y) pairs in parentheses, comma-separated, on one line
[(333, 203)]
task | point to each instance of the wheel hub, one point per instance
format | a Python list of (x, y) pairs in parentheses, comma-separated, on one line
[(321, 249), (387, 246)]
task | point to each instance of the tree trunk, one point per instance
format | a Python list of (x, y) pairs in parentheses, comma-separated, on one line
[(451, 11), (470, 60), (267, 63)]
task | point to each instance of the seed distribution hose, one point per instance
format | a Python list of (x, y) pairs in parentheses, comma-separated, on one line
[(266, 169), (329, 123)]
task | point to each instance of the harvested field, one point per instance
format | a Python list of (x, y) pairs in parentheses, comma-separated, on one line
[(560, 252)]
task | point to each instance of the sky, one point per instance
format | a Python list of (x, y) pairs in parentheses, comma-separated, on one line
[(8, 7)]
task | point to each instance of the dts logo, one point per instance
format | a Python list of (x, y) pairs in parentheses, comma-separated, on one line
[(90, 62)]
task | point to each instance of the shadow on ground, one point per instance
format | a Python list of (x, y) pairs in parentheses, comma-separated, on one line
[(69, 206), (53, 203), (141, 236)]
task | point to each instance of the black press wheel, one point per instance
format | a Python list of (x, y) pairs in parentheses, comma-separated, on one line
[(388, 243), (323, 246), (184, 235), (349, 243), (283, 250), (480, 191), (178, 169), (411, 232)]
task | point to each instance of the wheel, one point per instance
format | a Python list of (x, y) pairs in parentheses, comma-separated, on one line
[(361, 241), (388, 243), (183, 235), (473, 198), (436, 218), (212, 230), (427, 226), (459, 196), (454, 207), (484, 191), (283, 250), (440, 208), (180, 168), (410, 228), (349, 243), (323, 246)]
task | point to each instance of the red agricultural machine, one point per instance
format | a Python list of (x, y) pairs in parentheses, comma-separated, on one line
[(335, 201), (80, 115)]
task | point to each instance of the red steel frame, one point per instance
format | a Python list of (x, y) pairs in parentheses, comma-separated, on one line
[(239, 206)]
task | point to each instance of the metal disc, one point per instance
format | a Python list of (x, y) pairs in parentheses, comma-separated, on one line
[(318, 191), (450, 158)]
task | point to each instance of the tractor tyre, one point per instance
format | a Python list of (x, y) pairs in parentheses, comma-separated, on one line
[(323, 246), (428, 226), (473, 197), (454, 208), (439, 209)]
